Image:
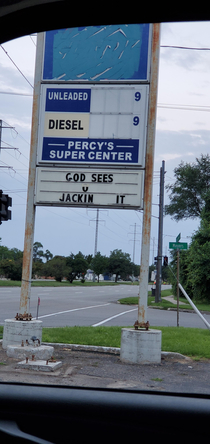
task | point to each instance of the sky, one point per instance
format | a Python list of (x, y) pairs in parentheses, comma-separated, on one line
[(182, 134)]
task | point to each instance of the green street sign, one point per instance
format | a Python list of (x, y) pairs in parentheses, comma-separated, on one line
[(178, 245), (178, 237)]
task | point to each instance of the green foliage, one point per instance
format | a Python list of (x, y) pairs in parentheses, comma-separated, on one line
[(119, 264), (56, 268), (11, 263), (77, 266), (189, 193), (11, 269), (99, 264), (37, 252)]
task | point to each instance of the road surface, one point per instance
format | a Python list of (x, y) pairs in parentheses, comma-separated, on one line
[(89, 306)]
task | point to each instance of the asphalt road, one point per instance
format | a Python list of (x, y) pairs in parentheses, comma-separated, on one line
[(85, 306)]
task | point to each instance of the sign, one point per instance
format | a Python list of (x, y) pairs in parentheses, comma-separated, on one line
[(104, 125), (93, 101), (98, 53), (178, 237), (89, 188), (178, 245)]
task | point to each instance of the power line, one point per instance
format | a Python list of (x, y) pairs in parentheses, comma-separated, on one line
[(16, 66), (185, 47), (16, 94), (184, 107)]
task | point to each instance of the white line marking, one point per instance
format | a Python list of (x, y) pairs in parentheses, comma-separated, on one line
[(112, 317), (74, 309)]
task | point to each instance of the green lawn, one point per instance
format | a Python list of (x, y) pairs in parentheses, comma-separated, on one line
[(202, 306), (49, 283), (193, 342)]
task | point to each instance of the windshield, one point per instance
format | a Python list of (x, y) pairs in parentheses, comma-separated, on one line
[(86, 256)]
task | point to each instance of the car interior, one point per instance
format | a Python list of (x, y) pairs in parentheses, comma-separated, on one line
[(56, 414)]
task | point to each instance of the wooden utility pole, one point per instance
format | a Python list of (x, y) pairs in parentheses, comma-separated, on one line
[(160, 236)]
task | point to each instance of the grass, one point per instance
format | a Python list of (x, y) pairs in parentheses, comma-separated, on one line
[(192, 342), (99, 336), (202, 306), (49, 283)]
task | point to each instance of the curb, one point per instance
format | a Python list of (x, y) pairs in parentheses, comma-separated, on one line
[(108, 350), (90, 348)]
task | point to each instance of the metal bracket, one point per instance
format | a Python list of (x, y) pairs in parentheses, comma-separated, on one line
[(23, 317), (142, 325)]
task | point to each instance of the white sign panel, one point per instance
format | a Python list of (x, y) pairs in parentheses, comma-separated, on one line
[(93, 124), (89, 187)]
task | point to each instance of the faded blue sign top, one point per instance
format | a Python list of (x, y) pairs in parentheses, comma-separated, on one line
[(97, 53)]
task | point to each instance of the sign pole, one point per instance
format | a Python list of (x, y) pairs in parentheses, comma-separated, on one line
[(145, 249), (177, 287), (24, 308)]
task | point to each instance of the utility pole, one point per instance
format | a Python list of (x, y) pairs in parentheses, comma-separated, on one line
[(160, 236), (134, 240), (96, 235), (0, 133)]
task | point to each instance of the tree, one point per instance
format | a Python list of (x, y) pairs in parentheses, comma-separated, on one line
[(48, 255), (37, 252), (11, 269), (99, 264), (119, 264), (190, 192), (56, 268), (77, 266)]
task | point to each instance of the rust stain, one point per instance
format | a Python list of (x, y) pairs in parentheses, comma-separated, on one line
[(141, 313)]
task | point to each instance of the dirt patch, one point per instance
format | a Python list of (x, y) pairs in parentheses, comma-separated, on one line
[(104, 370)]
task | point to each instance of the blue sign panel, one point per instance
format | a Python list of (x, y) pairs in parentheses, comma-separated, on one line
[(79, 150), (97, 53), (68, 100)]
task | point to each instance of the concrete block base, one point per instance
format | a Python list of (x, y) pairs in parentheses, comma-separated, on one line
[(40, 365), (42, 352), (140, 346), (16, 331)]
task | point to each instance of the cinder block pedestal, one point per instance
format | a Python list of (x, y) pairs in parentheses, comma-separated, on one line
[(140, 346), (16, 331), (41, 352)]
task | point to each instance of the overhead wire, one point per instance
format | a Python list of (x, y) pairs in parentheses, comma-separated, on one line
[(17, 67)]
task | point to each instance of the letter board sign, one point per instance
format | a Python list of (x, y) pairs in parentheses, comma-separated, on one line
[(93, 87), (89, 187), (93, 125)]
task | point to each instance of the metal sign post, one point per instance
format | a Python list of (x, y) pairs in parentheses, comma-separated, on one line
[(178, 246), (24, 309), (144, 268)]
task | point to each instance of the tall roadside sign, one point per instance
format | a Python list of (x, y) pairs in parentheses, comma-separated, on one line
[(93, 113), (94, 108)]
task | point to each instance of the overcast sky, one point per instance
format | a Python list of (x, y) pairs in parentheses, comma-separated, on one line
[(182, 134)]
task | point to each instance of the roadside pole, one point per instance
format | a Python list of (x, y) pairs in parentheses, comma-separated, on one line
[(145, 249), (177, 287), (160, 236), (30, 209)]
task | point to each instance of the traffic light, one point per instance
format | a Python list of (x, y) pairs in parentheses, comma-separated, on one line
[(5, 202), (165, 261)]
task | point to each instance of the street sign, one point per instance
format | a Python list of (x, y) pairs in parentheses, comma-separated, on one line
[(93, 124), (89, 188), (178, 237), (178, 245)]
